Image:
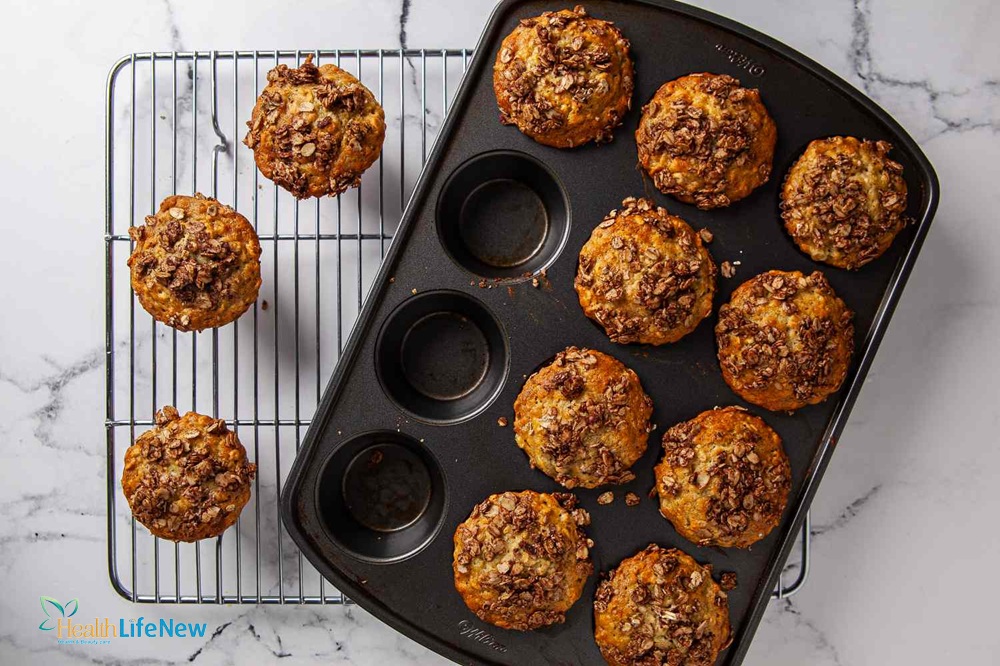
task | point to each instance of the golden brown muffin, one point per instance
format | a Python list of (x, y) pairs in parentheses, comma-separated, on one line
[(844, 201), (724, 478), (195, 264), (522, 559), (564, 78), (583, 419), (188, 478), (785, 340), (705, 140), (645, 275), (661, 607), (314, 130)]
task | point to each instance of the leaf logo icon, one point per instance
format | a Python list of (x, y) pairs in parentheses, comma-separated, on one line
[(55, 611)]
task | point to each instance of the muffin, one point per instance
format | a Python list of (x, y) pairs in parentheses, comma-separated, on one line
[(314, 130), (645, 276), (661, 607), (583, 419), (188, 478), (844, 201), (705, 140), (564, 78), (724, 478), (522, 559), (195, 264), (785, 340)]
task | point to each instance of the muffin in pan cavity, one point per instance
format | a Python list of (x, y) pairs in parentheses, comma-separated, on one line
[(785, 340), (844, 201), (522, 558), (645, 276), (188, 477), (661, 607), (315, 130), (583, 419), (705, 140), (724, 478), (195, 264), (564, 78)]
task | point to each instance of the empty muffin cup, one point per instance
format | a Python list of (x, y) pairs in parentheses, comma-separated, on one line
[(381, 495), (503, 215), (442, 356)]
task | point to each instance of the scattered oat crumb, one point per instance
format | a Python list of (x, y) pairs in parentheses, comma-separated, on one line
[(502, 421), (263, 305), (413, 291), (543, 273), (392, 279), (652, 493), (706, 235), (339, 432), (534, 282), (606, 498), (728, 581), (631, 499), (727, 269), (376, 458), (737, 263)]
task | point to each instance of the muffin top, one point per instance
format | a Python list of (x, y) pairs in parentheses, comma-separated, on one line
[(564, 78), (724, 478), (785, 340), (314, 130), (188, 477), (705, 140), (645, 275), (661, 607), (195, 264), (522, 558), (583, 419), (844, 201)]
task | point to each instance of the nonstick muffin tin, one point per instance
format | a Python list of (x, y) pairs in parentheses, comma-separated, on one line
[(476, 293)]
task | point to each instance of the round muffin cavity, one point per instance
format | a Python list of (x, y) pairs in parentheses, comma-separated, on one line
[(705, 140), (785, 340), (564, 78), (315, 130), (645, 276), (522, 558), (724, 478), (844, 201), (188, 478), (583, 419), (661, 607), (195, 264)]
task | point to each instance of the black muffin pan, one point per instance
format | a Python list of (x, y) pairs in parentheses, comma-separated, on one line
[(408, 436)]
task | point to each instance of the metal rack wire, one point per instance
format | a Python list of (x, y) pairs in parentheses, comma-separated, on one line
[(263, 374)]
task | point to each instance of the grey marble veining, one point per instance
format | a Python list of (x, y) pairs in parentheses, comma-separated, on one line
[(914, 471)]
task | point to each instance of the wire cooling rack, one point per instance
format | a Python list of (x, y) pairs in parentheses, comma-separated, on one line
[(174, 124)]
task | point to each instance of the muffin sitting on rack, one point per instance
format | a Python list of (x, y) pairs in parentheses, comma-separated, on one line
[(564, 78), (188, 478), (315, 130), (195, 264), (705, 140), (583, 419)]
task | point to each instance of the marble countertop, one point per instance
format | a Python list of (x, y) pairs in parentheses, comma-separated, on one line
[(911, 476)]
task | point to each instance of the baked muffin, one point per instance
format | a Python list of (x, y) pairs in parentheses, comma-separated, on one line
[(645, 276), (785, 340), (844, 201), (564, 78), (705, 140), (583, 419), (661, 607), (195, 264), (724, 478), (188, 478), (522, 559), (314, 130)]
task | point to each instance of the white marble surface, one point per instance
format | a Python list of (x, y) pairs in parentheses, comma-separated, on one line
[(915, 470)]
